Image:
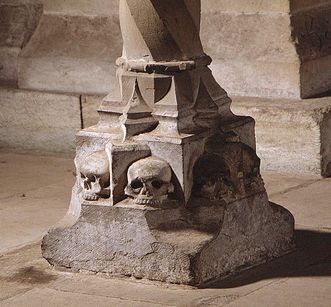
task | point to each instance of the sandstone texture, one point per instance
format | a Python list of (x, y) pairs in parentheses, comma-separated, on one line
[(38, 121), (295, 65), (18, 21), (293, 136), (71, 53), (168, 184), (190, 246)]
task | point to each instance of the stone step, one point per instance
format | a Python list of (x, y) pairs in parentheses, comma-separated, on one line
[(292, 136)]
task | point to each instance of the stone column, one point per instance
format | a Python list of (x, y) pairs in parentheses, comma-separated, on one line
[(168, 183)]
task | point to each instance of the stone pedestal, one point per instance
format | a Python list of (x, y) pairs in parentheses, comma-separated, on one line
[(190, 246), (168, 182)]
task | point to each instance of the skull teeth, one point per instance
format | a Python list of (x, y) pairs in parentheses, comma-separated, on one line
[(142, 201)]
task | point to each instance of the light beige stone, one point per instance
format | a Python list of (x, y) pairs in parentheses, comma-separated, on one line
[(71, 53), (22, 200), (149, 292), (38, 121), (241, 77), (266, 67), (303, 197), (53, 298), (292, 135), (296, 64), (246, 6), (8, 65), (18, 20), (193, 207), (23, 270), (277, 183), (90, 104), (97, 7), (310, 292)]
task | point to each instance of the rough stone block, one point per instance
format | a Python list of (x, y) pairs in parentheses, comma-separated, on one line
[(188, 246), (246, 6), (316, 77), (71, 53), (295, 65), (168, 186), (18, 20), (293, 136), (90, 104), (96, 7), (8, 65), (253, 78), (38, 121)]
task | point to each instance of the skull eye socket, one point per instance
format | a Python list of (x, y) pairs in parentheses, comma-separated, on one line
[(136, 184), (157, 184)]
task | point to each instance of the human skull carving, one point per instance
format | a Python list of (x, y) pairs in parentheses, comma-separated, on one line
[(149, 181), (94, 175)]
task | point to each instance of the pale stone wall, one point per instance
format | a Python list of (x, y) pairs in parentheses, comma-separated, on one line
[(251, 46), (259, 48)]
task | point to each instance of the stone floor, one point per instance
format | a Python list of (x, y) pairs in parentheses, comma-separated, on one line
[(34, 194)]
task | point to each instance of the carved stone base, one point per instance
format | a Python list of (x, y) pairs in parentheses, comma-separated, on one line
[(191, 245)]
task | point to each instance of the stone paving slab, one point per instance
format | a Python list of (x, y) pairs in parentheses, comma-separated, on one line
[(310, 204), (50, 298), (34, 194)]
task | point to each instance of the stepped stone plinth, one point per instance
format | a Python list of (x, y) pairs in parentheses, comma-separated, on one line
[(168, 182)]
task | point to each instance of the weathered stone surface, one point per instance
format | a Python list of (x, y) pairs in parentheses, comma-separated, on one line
[(316, 77), (266, 67), (71, 53), (293, 136), (23, 270), (8, 65), (303, 198), (105, 239), (97, 7), (247, 7), (90, 104), (18, 20), (168, 184), (55, 298), (38, 121), (272, 69), (241, 75)]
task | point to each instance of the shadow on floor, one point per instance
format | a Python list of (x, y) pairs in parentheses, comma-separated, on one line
[(311, 258)]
